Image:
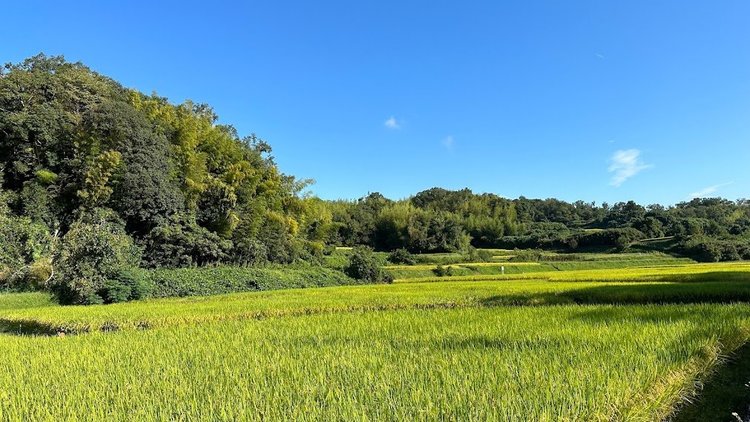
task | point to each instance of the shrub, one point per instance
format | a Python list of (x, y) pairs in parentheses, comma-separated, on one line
[(442, 271), (182, 243), (364, 265), (249, 251), (478, 255), (30, 277), (128, 284), (90, 260), (22, 241), (619, 239), (401, 256), (386, 277)]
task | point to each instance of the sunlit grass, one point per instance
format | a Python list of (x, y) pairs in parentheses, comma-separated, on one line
[(511, 364), (11, 301), (599, 344), (721, 287), (671, 272)]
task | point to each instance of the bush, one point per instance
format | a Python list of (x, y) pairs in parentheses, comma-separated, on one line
[(401, 256), (22, 242), (128, 284), (31, 277), (249, 251), (478, 255), (442, 271), (365, 266), (183, 243), (386, 277), (90, 261)]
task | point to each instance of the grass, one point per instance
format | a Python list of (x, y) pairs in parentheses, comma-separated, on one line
[(573, 362), (421, 271), (14, 301), (676, 272), (218, 280), (605, 343), (717, 287)]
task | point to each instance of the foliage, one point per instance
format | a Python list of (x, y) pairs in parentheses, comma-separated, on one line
[(90, 259), (401, 256), (25, 248), (96, 189), (218, 280), (439, 220), (442, 271), (128, 284), (183, 243), (72, 140), (31, 277), (527, 255), (478, 255), (364, 265), (706, 249)]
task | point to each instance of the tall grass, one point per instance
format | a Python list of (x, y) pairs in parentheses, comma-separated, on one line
[(14, 301), (594, 363), (405, 272), (461, 294), (676, 272)]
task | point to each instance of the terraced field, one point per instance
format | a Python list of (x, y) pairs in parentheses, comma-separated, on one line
[(560, 345)]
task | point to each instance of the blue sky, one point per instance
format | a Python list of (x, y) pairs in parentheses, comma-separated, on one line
[(594, 100)]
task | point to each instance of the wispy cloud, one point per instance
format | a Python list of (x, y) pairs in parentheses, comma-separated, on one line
[(625, 163), (392, 123), (709, 190), (600, 56), (448, 142)]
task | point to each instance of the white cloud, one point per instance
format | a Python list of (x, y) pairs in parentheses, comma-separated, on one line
[(625, 163), (448, 142), (392, 123), (709, 190), (600, 56)]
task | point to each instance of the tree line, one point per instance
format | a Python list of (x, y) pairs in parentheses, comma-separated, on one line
[(97, 178), (440, 220)]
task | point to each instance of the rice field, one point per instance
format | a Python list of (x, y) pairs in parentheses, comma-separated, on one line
[(296, 302), (661, 272), (630, 343), (425, 271), (574, 362)]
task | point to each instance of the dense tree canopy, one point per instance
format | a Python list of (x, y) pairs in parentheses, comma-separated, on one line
[(438, 220)]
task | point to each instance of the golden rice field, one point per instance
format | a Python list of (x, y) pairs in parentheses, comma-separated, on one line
[(570, 347)]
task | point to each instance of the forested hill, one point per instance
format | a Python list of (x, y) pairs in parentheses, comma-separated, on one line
[(75, 143), (707, 229), (90, 167)]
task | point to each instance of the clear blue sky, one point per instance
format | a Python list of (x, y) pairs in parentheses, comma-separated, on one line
[(595, 100)]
